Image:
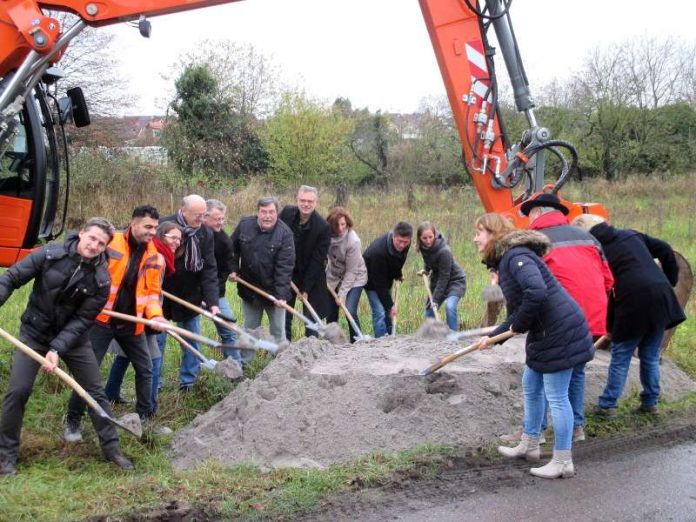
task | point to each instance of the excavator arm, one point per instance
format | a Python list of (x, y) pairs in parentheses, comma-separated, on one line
[(459, 32)]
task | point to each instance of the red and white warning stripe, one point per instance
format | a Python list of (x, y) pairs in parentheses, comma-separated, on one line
[(480, 79)]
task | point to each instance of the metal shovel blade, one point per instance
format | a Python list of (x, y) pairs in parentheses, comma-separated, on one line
[(269, 346), (209, 364)]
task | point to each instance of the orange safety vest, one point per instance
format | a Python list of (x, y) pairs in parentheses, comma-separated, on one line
[(148, 288)]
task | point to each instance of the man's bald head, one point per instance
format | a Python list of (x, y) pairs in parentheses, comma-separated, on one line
[(193, 208)]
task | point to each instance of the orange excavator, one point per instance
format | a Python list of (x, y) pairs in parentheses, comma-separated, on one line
[(505, 173)]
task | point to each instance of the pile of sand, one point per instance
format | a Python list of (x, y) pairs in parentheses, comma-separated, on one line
[(317, 403)]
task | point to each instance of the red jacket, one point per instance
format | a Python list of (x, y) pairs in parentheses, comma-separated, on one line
[(577, 261)]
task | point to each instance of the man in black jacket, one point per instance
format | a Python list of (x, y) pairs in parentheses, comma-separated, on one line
[(215, 218), (195, 279), (384, 258), (312, 236), (71, 286), (264, 255)]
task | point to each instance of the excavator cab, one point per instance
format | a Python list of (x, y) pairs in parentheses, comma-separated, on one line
[(30, 170)]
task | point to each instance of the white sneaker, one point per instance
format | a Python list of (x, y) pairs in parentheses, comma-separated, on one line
[(72, 434)]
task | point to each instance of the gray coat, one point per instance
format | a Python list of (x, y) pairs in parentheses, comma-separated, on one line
[(446, 277), (346, 268)]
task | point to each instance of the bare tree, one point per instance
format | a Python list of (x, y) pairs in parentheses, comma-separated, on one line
[(247, 79), (90, 64)]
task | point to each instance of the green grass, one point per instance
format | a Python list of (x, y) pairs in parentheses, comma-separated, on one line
[(59, 482)]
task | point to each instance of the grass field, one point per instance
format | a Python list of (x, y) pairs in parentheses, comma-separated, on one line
[(57, 482)]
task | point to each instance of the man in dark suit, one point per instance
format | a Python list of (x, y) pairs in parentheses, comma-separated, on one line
[(312, 236), (195, 279)]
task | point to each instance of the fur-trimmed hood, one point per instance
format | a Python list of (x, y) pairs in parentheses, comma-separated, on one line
[(531, 239)]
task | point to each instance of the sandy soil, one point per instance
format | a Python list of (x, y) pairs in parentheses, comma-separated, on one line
[(318, 403)]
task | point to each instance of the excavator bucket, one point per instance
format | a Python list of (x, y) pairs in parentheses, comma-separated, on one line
[(683, 290)]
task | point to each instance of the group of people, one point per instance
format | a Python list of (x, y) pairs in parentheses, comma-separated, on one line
[(565, 286), (294, 252)]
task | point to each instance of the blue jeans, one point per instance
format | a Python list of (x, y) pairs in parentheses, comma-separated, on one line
[(351, 301), (118, 372), (190, 365), (649, 355), (576, 396), (227, 336), (452, 319), (555, 386), (381, 321)]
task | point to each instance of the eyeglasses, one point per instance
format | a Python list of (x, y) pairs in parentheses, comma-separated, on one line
[(172, 237)]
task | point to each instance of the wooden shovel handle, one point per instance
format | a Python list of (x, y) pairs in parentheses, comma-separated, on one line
[(397, 285), (343, 306), (436, 312), (168, 327), (203, 312), (60, 373), (306, 303), (459, 353)]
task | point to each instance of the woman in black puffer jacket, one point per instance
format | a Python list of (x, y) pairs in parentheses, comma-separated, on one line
[(558, 336), (447, 279)]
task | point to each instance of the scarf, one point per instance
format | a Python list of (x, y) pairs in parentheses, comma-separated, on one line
[(168, 256), (193, 262)]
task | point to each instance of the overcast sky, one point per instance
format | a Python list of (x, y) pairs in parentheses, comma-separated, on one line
[(377, 53)]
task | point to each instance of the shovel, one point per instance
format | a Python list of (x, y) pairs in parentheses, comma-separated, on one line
[(317, 327), (436, 312), (227, 368), (358, 333), (257, 343), (181, 331), (306, 303), (456, 336), (131, 424), (459, 353), (397, 285)]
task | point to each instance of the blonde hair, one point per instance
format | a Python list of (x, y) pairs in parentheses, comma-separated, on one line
[(587, 221), (498, 226)]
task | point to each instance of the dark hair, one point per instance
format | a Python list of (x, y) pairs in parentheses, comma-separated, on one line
[(425, 225), (403, 229), (268, 200), (145, 211), (335, 215), (165, 227), (102, 224)]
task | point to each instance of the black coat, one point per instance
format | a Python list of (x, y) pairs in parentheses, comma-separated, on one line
[(312, 242), (643, 300), (69, 292), (194, 287), (223, 258), (384, 264), (263, 258), (558, 337), (446, 277)]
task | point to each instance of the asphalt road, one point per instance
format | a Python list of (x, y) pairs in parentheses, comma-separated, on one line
[(655, 485)]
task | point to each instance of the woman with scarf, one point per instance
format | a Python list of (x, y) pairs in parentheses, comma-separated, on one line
[(167, 241), (558, 336), (346, 273), (447, 279)]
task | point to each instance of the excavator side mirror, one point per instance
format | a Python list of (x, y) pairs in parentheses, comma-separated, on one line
[(79, 110), (145, 27)]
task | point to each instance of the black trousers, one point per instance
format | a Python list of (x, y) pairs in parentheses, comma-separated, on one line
[(289, 317), (84, 369), (135, 348)]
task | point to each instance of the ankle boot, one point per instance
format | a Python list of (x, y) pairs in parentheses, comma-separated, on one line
[(528, 448), (561, 466)]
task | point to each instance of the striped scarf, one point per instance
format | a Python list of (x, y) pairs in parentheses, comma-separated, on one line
[(193, 261)]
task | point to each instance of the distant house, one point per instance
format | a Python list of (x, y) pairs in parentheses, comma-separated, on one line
[(137, 136), (408, 126)]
